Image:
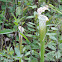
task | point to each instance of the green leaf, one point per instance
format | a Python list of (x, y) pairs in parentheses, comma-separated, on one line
[(11, 52), (3, 0), (15, 23), (17, 20), (55, 9), (17, 51), (53, 28), (31, 29), (50, 56), (1, 21), (29, 35), (6, 31), (29, 17), (6, 0), (18, 11), (25, 38), (50, 34), (14, 17), (34, 6), (30, 25), (60, 46), (34, 60), (57, 54), (53, 38), (51, 25), (34, 46), (28, 53), (51, 45), (34, 53)]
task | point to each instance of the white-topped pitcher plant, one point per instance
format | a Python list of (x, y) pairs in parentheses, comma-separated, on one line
[(21, 29), (42, 29)]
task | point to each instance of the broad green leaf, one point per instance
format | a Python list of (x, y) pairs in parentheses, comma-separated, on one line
[(15, 23), (1, 21), (35, 53), (51, 46), (50, 55), (28, 53), (35, 46), (6, 0), (31, 29), (17, 51), (51, 25), (18, 11), (53, 38), (31, 23), (53, 28), (34, 60), (3, 7), (25, 38), (29, 17), (51, 34), (29, 35), (57, 54), (34, 6), (6, 31), (11, 52), (60, 46), (27, 59)]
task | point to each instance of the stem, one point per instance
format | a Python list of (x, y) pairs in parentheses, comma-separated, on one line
[(42, 28), (20, 42)]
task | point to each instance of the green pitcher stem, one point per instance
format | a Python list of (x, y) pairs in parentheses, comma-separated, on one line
[(42, 30), (42, 51), (20, 41)]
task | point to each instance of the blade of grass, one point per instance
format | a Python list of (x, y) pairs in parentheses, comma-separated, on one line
[(54, 8)]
